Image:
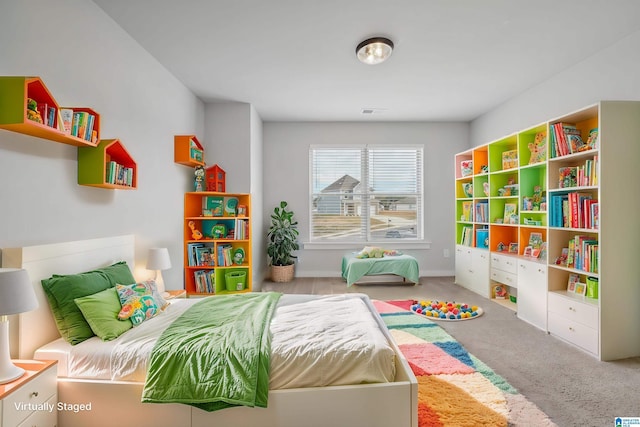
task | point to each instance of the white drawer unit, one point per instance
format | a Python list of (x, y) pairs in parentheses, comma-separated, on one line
[(32, 399), (574, 321), (504, 269), (500, 276), (505, 263)]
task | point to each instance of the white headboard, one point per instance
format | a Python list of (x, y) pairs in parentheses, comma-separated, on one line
[(37, 327)]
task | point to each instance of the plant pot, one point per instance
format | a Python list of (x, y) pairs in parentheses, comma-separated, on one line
[(282, 273)]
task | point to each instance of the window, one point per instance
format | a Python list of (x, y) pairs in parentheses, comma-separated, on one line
[(365, 193)]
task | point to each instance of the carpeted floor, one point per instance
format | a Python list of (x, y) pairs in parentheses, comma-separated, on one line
[(454, 387)]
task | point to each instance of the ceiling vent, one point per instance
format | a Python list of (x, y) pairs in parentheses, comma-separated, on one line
[(369, 111)]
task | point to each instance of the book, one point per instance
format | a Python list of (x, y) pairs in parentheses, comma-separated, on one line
[(567, 177), (192, 257), (509, 159), (89, 128), (466, 211), (592, 139), (42, 109), (481, 213), (196, 154), (510, 216), (47, 113), (466, 167), (574, 279), (467, 189), (213, 206), (204, 256), (230, 206), (67, 119), (482, 238), (574, 140), (74, 123), (51, 116), (538, 148), (595, 218), (466, 236), (535, 240)]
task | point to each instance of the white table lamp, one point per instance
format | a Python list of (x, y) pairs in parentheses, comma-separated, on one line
[(16, 296), (159, 260)]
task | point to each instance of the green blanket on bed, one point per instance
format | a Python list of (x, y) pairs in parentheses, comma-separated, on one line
[(215, 355)]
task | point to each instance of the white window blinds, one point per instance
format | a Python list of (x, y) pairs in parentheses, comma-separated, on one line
[(365, 193)]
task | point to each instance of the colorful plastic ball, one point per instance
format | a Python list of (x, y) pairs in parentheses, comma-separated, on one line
[(474, 314)]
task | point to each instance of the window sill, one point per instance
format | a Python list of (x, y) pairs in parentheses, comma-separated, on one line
[(389, 244)]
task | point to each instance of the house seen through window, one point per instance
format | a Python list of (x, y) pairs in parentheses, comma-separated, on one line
[(365, 193)]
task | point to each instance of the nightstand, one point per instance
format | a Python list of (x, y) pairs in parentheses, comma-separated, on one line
[(32, 399), (180, 293)]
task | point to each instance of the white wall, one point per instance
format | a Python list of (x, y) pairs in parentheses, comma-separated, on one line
[(611, 74), (85, 59), (234, 142), (286, 177)]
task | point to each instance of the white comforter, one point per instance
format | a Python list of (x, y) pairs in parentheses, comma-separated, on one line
[(316, 341)]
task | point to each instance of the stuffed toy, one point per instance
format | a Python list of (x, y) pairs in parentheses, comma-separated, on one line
[(370, 252)]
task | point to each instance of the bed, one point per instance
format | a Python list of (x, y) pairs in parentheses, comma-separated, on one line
[(117, 400), (355, 268)]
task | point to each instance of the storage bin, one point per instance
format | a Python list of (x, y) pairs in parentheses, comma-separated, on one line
[(235, 280)]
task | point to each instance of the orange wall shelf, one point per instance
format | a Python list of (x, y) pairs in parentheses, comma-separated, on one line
[(13, 111), (188, 151), (109, 165)]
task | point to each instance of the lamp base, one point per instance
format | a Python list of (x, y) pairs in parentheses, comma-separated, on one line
[(8, 371)]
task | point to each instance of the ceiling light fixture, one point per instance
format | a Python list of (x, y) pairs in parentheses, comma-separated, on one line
[(374, 50)]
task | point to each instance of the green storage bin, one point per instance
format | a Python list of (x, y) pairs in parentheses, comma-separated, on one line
[(235, 280), (592, 287)]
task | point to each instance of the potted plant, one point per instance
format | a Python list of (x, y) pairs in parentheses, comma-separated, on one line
[(283, 240)]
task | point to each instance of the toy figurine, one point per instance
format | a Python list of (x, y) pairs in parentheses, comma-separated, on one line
[(196, 234), (199, 178)]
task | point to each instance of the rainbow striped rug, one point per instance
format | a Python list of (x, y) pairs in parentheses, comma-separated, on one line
[(454, 387)]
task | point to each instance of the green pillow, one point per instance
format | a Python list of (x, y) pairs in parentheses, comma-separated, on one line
[(118, 273), (62, 290), (101, 310)]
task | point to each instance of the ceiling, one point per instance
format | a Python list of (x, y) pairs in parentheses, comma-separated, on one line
[(294, 60)]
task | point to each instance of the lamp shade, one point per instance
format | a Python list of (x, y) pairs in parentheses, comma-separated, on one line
[(158, 259), (16, 292)]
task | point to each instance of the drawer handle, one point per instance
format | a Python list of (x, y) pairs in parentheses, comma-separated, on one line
[(34, 394)]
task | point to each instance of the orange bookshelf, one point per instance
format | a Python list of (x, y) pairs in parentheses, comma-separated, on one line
[(216, 223)]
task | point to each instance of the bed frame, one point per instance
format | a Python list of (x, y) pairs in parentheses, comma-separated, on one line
[(118, 402)]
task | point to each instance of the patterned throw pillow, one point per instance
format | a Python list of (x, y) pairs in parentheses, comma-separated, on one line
[(140, 301)]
